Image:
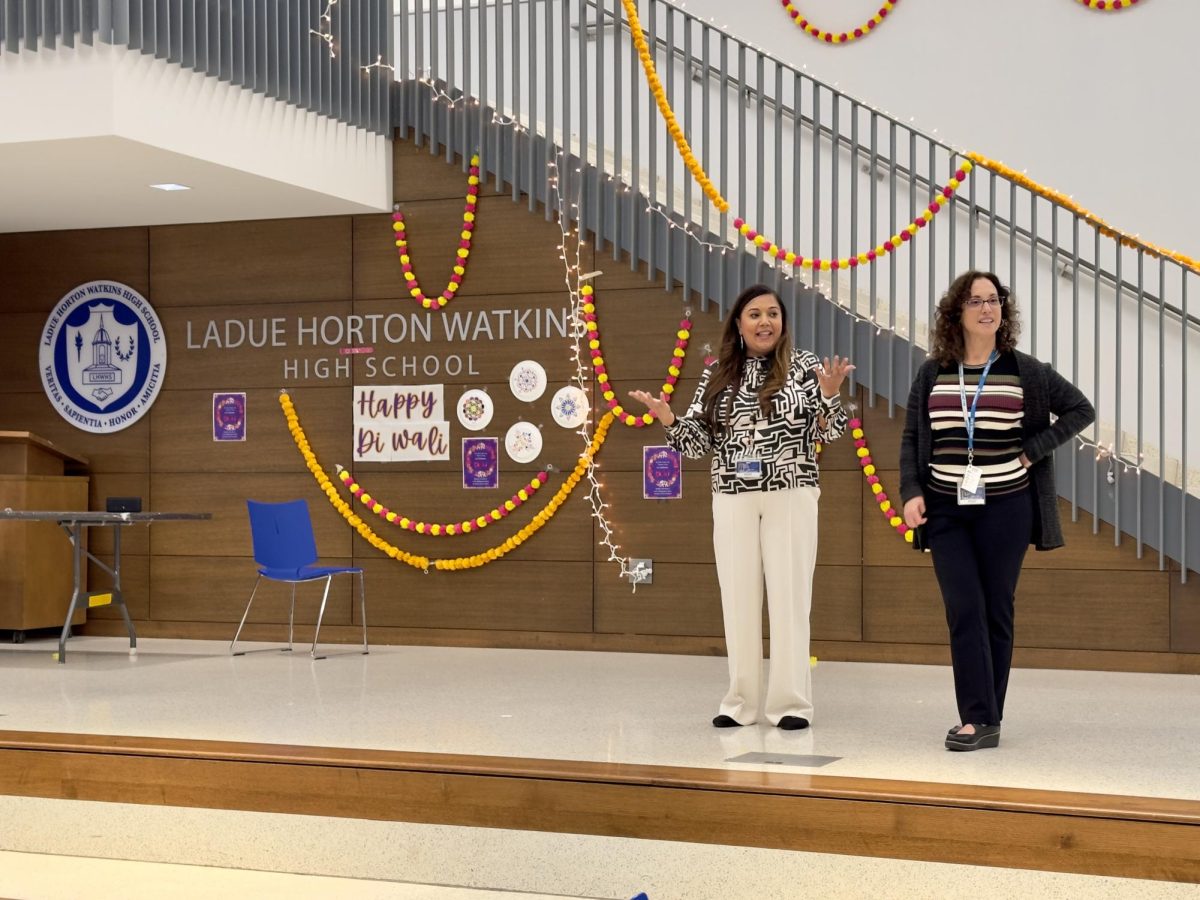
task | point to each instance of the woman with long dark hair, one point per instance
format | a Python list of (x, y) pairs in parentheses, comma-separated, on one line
[(977, 473), (760, 409)]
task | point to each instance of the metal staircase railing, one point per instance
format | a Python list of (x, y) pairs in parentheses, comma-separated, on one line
[(542, 85)]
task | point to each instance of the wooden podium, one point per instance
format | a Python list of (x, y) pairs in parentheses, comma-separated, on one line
[(35, 557)]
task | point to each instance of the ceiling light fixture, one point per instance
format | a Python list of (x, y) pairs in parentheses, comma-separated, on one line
[(170, 186)]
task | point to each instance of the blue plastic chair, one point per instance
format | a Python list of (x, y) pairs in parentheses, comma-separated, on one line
[(286, 551)]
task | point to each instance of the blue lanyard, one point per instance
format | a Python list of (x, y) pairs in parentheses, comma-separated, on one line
[(969, 414)]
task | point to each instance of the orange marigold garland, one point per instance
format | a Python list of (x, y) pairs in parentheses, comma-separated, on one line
[(664, 107), (310, 460), (461, 254), (466, 526), (863, 452), (421, 562), (844, 37), (1091, 218), (674, 367)]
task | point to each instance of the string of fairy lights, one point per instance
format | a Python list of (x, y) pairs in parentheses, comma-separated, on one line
[(570, 251)]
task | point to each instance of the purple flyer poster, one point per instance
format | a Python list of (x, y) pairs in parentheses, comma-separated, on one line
[(481, 462), (662, 471), (229, 417)]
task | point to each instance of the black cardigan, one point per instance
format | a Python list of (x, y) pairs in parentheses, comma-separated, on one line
[(1045, 392)]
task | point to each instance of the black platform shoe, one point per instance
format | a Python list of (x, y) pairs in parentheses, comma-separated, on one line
[(985, 736)]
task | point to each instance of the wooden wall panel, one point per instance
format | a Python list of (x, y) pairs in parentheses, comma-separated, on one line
[(20, 370), (902, 605), (419, 175), (183, 443), (1185, 614), (265, 261), (40, 267), (1101, 610), (837, 603), (517, 252), (689, 596), (125, 451), (684, 599), (215, 589), (1085, 550), (1067, 610), (508, 595), (228, 533), (135, 582)]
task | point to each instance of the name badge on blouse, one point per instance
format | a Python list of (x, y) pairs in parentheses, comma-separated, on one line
[(748, 469)]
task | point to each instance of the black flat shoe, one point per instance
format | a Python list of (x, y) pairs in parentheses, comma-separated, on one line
[(793, 723), (724, 721), (985, 736)]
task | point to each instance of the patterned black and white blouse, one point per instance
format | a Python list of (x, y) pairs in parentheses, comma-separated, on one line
[(783, 440)]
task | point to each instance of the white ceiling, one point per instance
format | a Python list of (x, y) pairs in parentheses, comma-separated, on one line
[(103, 182)]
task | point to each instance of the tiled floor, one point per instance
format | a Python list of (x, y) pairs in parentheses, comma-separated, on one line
[(1083, 731)]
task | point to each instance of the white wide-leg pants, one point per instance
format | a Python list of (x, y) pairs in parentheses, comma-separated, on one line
[(771, 534)]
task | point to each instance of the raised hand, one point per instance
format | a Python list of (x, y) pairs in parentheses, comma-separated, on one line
[(657, 405), (831, 375)]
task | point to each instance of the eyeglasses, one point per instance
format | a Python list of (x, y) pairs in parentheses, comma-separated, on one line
[(980, 302)]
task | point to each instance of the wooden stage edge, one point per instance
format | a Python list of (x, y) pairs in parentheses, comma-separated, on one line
[(1135, 837)]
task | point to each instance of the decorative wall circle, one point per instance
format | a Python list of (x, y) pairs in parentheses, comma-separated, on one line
[(523, 442), (475, 410), (527, 380), (569, 407)]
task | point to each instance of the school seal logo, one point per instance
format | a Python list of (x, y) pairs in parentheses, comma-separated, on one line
[(103, 356)]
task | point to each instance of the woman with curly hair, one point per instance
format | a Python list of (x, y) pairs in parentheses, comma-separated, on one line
[(977, 472), (759, 410)]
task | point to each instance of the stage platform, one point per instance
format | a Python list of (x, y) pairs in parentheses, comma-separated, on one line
[(1096, 774)]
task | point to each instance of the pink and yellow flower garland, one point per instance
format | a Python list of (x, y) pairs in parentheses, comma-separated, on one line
[(689, 158), (1091, 218), (1108, 5), (452, 528), (421, 562), (542, 516), (863, 452), (869, 256), (460, 258), (843, 37), (674, 367)]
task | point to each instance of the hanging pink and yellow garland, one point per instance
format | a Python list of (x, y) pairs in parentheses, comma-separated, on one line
[(869, 256), (422, 562), (863, 452), (674, 367), (844, 37), (466, 526), (461, 254), (882, 249), (1109, 5)]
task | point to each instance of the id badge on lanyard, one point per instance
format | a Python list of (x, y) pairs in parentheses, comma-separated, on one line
[(971, 490), (747, 465)]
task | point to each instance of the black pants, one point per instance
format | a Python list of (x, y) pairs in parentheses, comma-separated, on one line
[(977, 555)]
